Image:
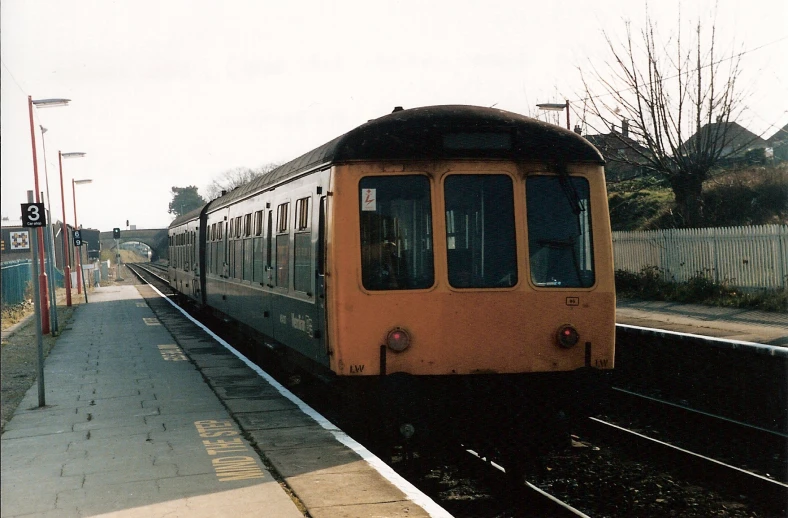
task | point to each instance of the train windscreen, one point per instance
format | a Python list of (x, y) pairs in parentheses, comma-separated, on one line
[(480, 237), (559, 231), (396, 232)]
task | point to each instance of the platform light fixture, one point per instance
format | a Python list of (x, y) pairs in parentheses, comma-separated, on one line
[(66, 255), (557, 107), (42, 275)]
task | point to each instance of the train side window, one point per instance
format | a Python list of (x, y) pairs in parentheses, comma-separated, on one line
[(258, 223), (258, 259), (302, 244), (481, 242), (560, 248), (248, 258), (302, 214), (268, 237), (396, 232), (248, 225), (282, 246)]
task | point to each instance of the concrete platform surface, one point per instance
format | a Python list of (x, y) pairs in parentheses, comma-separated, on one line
[(763, 327), (131, 427)]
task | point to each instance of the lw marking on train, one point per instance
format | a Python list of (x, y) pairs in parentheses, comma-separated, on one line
[(172, 353), (228, 467)]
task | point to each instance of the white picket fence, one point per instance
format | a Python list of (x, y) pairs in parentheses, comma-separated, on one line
[(753, 257)]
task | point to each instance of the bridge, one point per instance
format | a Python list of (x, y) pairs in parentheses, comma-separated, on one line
[(155, 238)]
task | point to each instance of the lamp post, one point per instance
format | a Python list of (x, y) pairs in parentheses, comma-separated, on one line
[(74, 183), (556, 107), (50, 243), (42, 275), (66, 255)]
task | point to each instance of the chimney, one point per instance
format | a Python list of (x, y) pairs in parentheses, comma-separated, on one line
[(624, 127)]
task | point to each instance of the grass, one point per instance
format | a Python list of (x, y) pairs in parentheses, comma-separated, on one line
[(16, 313)]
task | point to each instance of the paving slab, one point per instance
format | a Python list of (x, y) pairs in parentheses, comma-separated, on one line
[(126, 429)]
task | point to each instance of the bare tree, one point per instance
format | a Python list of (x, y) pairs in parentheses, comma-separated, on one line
[(237, 177), (679, 101)]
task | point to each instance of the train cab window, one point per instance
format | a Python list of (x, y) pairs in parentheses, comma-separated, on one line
[(396, 232), (481, 246), (560, 248)]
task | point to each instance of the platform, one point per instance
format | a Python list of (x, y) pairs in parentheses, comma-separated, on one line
[(747, 325), (131, 427)]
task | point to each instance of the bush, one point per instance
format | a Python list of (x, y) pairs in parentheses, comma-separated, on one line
[(750, 195), (650, 284)]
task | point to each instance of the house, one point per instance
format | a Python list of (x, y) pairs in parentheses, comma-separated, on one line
[(625, 158), (734, 143), (779, 144)]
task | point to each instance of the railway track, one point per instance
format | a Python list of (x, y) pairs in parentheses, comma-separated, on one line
[(773, 494), (491, 494), (762, 451)]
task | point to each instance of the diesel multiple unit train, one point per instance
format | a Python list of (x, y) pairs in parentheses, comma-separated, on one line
[(452, 262)]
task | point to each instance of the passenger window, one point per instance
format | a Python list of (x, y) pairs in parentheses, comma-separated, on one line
[(396, 232), (282, 247), (302, 243), (248, 225), (302, 214), (258, 223), (560, 248), (481, 246)]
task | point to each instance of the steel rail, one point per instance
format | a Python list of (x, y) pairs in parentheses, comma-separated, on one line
[(771, 492)]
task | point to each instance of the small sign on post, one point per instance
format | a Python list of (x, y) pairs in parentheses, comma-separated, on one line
[(33, 215), (77, 238)]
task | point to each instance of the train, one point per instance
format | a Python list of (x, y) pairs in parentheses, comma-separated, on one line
[(452, 263)]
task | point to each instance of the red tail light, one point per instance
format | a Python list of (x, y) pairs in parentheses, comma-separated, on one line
[(567, 336), (398, 339)]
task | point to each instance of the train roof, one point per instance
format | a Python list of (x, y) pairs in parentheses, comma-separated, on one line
[(185, 218), (434, 133)]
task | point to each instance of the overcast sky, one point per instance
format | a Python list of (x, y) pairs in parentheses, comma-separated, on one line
[(175, 92)]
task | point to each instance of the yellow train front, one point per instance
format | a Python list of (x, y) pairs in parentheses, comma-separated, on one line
[(469, 267), (450, 266)]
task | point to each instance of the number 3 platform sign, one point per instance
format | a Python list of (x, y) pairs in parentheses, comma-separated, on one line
[(33, 215)]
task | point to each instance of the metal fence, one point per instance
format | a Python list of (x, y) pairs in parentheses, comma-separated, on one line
[(753, 257), (15, 277)]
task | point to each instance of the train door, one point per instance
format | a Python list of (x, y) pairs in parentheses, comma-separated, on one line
[(267, 281), (320, 284), (224, 265)]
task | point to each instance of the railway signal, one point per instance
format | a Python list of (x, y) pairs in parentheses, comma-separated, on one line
[(116, 233)]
